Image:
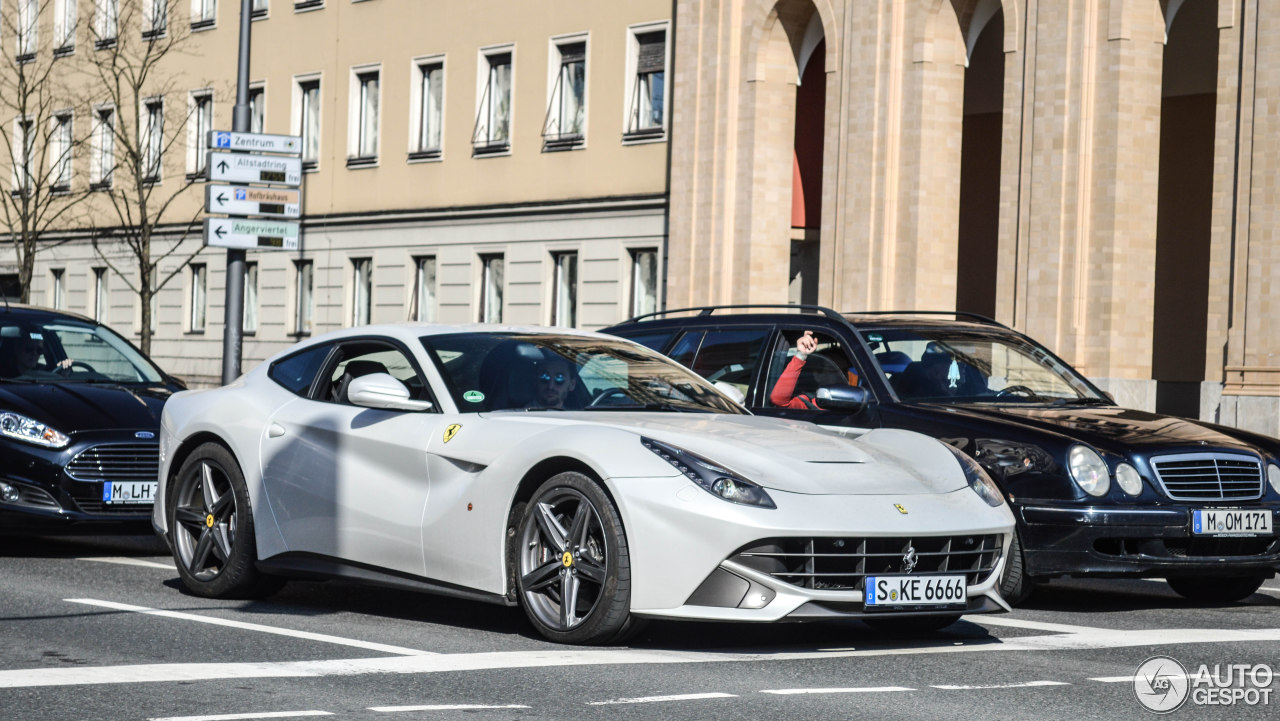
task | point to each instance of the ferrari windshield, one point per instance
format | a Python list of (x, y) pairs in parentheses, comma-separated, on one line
[(505, 371), (64, 350), (958, 365)]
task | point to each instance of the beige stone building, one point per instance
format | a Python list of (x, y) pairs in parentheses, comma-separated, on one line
[(1097, 173)]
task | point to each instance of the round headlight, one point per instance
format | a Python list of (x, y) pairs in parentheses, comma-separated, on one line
[(1273, 475), (1128, 478), (1089, 471)]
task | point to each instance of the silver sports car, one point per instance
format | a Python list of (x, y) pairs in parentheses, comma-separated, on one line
[(583, 477)]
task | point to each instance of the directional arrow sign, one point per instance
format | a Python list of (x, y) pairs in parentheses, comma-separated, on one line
[(255, 142), (242, 168), (250, 234), (240, 200)]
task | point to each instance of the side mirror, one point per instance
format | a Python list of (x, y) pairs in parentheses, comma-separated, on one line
[(843, 398), (380, 390)]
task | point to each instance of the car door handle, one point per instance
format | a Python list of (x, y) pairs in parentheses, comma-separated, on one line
[(275, 430)]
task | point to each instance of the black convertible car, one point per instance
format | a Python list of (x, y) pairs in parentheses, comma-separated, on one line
[(1098, 490), (79, 415)]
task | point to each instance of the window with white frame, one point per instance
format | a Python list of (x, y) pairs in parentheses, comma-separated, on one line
[(361, 291), (306, 93), (566, 118), (100, 294), (60, 153), (58, 288), (199, 123), (23, 151), (64, 27), (428, 109), (204, 13), (493, 116), (102, 156), (27, 30), (250, 317), (106, 21), (423, 304), (152, 140), (155, 18), (303, 303), (258, 9), (646, 109), (564, 290), (257, 109), (644, 281), (491, 267), (199, 293), (363, 141)]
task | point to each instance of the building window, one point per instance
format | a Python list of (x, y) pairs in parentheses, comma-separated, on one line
[(491, 288), (250, 318), (258, 10), (198, 126), (57, 288), (646, 116), (428, 110), (102, 160), (303, 281), (199, 278), (27, 30), (493, 117), (155, 18), (564, 294), (257, 110), (363, 142), (204, 13), (361, 291), (423, 303), (152, 140), (106, 18), (644, 281), (299, 5), (23, 151), (100, 294), (567, 110), (60, 153), (64, 27), (307, 102)]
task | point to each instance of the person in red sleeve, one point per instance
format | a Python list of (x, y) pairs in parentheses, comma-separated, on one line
[(784, 390)]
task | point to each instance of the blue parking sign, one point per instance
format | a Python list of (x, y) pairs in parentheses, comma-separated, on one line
[(222, 140), (240, 194)]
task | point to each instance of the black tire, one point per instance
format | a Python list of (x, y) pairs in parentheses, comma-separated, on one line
[(211, 528), (571, 545), (1215, 589), (1015, 585), (910, 625)]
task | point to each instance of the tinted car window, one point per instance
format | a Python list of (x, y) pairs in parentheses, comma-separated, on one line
[(369, 357), (65, 350), (653, 341), (830, 364), (730, 356), (297, 371)]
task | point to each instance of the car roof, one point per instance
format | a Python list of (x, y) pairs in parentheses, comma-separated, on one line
[(22, 311), (862, 320)]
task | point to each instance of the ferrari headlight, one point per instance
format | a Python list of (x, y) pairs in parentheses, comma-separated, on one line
[(1273, 475), (1089, 471), (710, 477), (978, 479), (19, 427), (1128, 478)]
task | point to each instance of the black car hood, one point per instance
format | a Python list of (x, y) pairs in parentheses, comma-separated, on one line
[(1110, 427), (74, 407)]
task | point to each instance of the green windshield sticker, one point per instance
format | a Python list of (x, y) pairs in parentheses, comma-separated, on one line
[(473, 396), (875, 337)]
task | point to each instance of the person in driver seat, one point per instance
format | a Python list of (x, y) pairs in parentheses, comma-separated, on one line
[(554, 379), (822, 373)]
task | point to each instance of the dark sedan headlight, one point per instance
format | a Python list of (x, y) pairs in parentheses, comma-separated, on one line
[(1089, 471), (1273, 475), (710, 477), (21, 428), (978, 479)]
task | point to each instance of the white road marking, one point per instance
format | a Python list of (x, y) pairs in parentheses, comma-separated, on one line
[(1027, 684), (1088, 639), (442, 707), (324, 638), (232, 716), (865, 689), (653, 699), (1028, 624), (1130, 679), (124, 561)]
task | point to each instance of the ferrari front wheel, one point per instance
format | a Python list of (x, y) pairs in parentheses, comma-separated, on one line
[(573, 568)]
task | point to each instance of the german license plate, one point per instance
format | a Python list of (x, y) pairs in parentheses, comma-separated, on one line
[(1230, 521), (904, 591), (129, 492)]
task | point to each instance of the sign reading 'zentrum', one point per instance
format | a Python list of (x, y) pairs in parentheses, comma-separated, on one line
[(255, 142)]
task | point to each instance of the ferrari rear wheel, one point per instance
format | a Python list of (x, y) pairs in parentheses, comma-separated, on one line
[(574, 572), (211, 528)]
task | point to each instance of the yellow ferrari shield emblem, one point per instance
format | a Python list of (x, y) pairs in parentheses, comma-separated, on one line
[(901, 508), (567, 559), (451, 431), (208, 520)]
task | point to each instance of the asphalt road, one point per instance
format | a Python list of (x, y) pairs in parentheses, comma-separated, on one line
[(100, 628)]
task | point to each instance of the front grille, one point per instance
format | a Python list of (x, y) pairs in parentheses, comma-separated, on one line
[(117, 462), (842, 564), (1209, 476)]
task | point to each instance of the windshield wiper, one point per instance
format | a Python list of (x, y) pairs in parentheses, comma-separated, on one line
[(1082, 402)]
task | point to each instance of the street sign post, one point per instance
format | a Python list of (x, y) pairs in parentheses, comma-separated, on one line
[(243, 200), (246, 168), (255, 142), (250, 234)]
